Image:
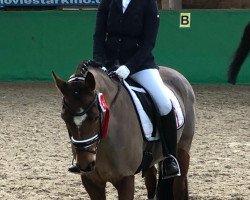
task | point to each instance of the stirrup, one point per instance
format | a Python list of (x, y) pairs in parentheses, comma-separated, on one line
[(175, 171)]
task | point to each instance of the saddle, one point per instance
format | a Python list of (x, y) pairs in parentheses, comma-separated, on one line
[(149, 118), (147, 111)]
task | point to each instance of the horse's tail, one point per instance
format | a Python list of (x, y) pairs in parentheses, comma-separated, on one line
[(240, 55)]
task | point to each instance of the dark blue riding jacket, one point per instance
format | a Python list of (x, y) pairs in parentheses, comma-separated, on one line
[(126, 38)]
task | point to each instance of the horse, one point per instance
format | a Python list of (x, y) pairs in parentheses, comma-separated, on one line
[(239, 56), (113, 153)]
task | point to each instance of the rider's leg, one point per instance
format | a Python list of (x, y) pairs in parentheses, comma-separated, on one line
[(170, 166), (151, 80)]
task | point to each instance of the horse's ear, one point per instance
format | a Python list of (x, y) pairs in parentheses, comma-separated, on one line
[(61, 84), (90, 81)]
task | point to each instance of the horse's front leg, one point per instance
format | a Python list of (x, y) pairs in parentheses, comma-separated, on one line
[(96, 190), (151, 182), (126, 188)]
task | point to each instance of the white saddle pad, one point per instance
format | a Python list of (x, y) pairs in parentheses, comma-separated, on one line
[(146, 123)]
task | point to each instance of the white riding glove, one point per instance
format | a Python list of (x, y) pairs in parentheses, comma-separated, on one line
[(122, 72)]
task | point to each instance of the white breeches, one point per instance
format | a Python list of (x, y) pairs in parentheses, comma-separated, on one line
[(151, 80)]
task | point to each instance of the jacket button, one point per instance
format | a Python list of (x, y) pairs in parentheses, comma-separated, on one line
[(119, 39)]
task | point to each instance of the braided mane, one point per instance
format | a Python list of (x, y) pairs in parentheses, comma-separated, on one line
[(83, 67)]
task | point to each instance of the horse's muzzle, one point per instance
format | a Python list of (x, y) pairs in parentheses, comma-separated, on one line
[(79, 170)]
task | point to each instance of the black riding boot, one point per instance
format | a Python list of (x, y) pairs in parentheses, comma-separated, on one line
[(168, 134)]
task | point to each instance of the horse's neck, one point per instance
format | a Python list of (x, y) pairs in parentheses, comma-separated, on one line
[(108, 88), (105, 85), (123, 120)]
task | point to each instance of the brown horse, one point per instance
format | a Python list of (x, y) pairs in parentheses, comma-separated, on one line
[(116, 157)]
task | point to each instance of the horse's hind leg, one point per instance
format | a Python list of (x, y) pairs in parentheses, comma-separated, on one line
[(180, 186), (95, 191), (126, 188), (151, 182)]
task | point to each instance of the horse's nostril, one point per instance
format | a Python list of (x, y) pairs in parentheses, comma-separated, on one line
[(92, 165)]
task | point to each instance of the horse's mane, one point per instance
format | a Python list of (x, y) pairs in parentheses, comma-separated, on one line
[(240, 55), (102, 77), (85, 65)]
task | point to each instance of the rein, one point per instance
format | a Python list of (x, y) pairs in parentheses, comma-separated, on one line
[(117, 94)]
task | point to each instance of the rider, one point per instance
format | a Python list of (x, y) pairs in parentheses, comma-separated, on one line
[(125, 34)]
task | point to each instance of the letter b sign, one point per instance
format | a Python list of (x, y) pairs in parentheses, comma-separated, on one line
[(185, 20)]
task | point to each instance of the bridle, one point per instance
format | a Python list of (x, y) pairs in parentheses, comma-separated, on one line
[(85, 145), (90, 105)]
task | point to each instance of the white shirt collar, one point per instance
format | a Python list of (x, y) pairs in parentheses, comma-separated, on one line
[(125, 5)]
